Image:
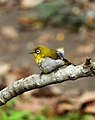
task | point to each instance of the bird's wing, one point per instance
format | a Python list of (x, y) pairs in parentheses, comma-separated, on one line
[(60, 52)]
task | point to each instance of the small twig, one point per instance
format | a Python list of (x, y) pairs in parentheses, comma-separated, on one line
[(87, 62)]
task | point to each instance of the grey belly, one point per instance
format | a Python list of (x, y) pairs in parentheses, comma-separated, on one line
[(48, 64)]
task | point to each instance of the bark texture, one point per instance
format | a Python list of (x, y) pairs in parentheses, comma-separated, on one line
[(71, 72)]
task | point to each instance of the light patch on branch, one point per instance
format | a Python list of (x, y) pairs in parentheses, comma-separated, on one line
[(71, 72)]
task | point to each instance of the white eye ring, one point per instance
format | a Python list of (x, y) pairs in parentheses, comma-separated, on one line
[(37, 51)]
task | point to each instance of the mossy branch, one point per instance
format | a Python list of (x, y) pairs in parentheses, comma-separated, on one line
[(71, 72)]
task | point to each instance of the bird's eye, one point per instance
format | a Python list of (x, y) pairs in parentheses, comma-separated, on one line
[(37, 51)]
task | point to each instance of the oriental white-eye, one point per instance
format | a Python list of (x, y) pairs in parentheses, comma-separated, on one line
[(49, 59)]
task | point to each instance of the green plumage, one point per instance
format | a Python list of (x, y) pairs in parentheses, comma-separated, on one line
[(47, 52)]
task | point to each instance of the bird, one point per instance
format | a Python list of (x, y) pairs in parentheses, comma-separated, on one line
[(49, 59)]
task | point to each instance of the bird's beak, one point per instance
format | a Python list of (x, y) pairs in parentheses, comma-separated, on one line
[(31, 52)]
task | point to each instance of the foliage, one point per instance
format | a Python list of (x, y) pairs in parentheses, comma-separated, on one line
[(68, 116), (64, 12), (8, 112)]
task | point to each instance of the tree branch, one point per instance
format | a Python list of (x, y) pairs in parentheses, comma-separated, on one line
[(71, 72)]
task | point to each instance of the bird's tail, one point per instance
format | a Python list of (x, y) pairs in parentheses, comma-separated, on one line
[(67, 62)]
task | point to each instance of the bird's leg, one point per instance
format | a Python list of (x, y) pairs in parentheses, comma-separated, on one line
[(41, 74)]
